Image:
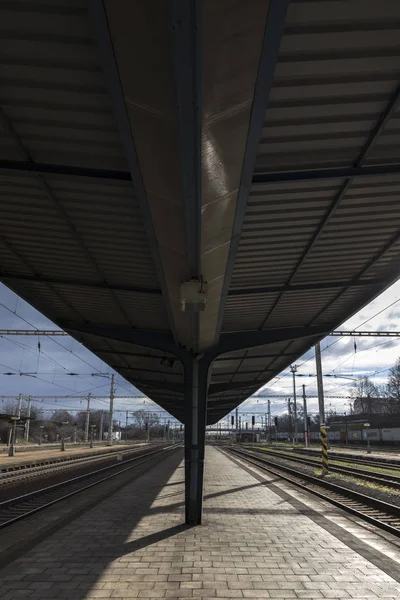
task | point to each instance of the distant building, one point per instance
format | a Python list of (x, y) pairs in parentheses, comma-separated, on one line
[(375, 406)]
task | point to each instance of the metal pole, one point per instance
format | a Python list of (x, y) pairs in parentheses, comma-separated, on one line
[(305, 417), (11, 450), (320, 384), (196, 384), (347, 430), (28, 419), (111, 413), (269, 419), (237, 423), (101, 426), (86, 438), (126, 426), (293, 368), (290, 420), (19, 416), (92, 429), (324, 444)]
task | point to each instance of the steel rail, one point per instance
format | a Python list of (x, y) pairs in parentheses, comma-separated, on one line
[(381, 478), (14, 503), (54, 466)]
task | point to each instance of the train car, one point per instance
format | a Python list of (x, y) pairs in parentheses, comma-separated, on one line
[(334, 436), (374, 435), (391, 435), (355, 435)]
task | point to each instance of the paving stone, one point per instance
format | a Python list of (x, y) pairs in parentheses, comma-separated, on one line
[(252, 544)]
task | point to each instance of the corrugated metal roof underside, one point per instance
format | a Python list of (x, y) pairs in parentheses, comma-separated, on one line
[(83, 231), (337, 72)]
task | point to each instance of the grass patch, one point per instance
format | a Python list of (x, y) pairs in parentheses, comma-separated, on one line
[(368, 484)]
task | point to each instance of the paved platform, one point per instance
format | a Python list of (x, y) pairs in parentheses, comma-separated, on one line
[(260, 539)]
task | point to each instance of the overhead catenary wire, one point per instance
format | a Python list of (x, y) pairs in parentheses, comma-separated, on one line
[(64, 348)]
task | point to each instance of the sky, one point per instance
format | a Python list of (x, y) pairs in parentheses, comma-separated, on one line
[(61, 355)]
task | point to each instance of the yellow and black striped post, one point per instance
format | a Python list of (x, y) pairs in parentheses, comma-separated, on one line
[(324, 444)]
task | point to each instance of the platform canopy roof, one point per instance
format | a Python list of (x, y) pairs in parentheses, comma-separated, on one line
[(251, 145)]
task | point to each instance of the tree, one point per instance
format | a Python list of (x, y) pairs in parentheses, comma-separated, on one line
[(53, 428), (364, 388), (144, 418), (393, 385)]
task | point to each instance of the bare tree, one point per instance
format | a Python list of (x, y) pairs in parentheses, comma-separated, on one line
[(144, 418), (393, 385), (364, 388)]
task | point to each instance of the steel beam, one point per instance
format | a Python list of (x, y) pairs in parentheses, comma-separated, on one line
[(329, 173), (196, 383), (11, 167), (162, 385), (186, 34), (103, 285), (219, 388), (269, 55), (105, 47), (226, 358), (301, 287), (186, 17), (242, 340), (148, 339)]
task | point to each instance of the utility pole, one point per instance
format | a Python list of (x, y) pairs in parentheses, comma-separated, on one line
[(15, 432), (305, 417), (11, 449), (237, 423), (126, 426), (111, 414), (320, 384), (86, 438), (101, 426), (293, 368), (290, 420), (321, 407), (269, 419), (28, 419)]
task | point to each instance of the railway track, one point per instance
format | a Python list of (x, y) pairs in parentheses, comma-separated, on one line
[(20, 507), (62, 457), (370, 461), (381, 514), (384, 479), (8, 478)]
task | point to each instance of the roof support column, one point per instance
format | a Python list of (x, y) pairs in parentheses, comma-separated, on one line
[(196, 384)]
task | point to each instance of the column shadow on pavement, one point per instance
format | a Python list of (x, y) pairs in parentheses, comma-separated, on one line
[(71, 562)]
